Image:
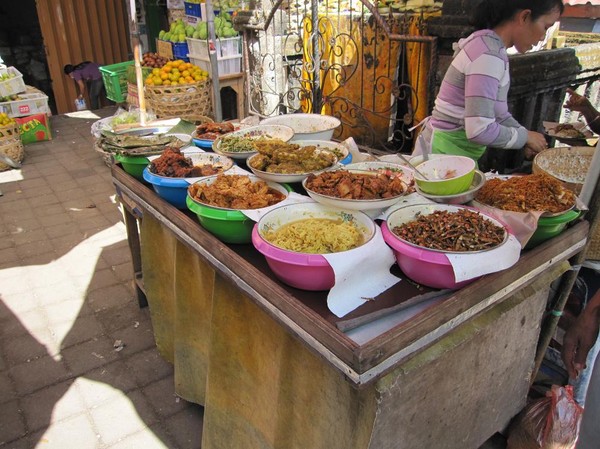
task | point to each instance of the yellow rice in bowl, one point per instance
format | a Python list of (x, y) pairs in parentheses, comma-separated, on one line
[(316, 236)]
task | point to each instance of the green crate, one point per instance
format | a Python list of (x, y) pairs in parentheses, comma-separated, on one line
[(114, 77), (131, 78)]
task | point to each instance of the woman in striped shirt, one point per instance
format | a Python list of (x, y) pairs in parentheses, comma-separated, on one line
[(471, 110)]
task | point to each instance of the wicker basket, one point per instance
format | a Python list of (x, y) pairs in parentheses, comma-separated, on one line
[(14, 150), (106, 156), (558, 163), (9, 132), (180, 101), (568, 165), (133, 98)]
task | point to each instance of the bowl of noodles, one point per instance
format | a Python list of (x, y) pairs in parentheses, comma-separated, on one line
[(219, 201), (294, 237)]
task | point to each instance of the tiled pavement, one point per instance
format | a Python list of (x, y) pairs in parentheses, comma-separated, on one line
[(78, 364)]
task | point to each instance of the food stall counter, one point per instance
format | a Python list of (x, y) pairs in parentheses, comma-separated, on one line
[(275, 369)]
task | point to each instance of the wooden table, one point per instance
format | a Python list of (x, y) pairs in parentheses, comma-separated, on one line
[(273, 371)]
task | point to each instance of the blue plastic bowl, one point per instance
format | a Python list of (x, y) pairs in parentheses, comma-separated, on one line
[(172, 190), (203, 143)]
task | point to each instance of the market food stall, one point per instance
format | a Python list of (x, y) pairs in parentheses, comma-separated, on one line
[(274, 369)]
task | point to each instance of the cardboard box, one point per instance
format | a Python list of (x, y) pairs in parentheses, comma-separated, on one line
[(164, 48), (34, 128)]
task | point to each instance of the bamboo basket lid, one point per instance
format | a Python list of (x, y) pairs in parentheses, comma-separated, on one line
[(567, 164)]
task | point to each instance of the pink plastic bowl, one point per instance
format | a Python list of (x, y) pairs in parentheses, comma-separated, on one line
[(302, 270), (425, 266), (422, 265)]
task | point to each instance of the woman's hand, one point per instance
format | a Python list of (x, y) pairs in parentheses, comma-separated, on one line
[(536, 142), (580, 337), (578, 103)]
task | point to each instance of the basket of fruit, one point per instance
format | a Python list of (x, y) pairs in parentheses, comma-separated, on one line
[(178, 89), (10, 141)]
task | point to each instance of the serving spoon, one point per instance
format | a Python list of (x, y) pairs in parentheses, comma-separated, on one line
[(414, 168)]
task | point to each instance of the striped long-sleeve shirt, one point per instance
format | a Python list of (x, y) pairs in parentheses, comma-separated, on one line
[(474, 91)]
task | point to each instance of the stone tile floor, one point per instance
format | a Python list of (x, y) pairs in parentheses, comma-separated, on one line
[(78, 364)]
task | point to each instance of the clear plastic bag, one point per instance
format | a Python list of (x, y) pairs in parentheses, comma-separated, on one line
[(551, 422)]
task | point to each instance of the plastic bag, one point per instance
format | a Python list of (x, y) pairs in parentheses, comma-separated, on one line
[(551, 422)]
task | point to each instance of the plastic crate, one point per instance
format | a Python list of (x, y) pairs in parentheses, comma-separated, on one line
[(226, 65), (180, 51), (193, 9), (27, 104), (229, 46), (14, 85), (115, 80)]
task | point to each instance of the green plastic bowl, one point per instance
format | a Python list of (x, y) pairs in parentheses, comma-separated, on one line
[(228, 225), (549, 227), (446, 175), (134, 165)]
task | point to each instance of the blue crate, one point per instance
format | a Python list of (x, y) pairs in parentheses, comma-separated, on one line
[(192, 9), (180, 51)]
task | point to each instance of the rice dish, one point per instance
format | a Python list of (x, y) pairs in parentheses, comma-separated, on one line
[(316, 236)]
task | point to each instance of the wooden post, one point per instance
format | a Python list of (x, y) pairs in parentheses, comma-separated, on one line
[(135, 43)]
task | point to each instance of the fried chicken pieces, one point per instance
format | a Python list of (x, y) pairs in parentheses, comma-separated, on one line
[(235, 192), (356, 186), (210, 131), (173, 164)]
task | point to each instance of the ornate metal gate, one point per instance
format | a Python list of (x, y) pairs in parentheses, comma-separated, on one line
[(373, 68)]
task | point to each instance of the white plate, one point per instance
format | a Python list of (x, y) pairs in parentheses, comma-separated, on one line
[(281, 132), (351, 204)]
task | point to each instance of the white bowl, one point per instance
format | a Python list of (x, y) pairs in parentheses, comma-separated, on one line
[(284, 177), (341, 151), (405, 173), (281, 132), (307, 126), (183, 137), (352, 204)]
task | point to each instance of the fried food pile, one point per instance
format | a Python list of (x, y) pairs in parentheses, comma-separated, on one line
[(173, 164), (356, 186), (235, 192), (463, 230), (210, 131), (567, 130), (277, 156), (537, 192)]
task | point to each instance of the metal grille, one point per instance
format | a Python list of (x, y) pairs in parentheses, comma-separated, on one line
[(372, 68)]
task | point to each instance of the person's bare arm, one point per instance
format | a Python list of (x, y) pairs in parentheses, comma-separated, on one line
[(581, 104), (81, 86), (581, 336)]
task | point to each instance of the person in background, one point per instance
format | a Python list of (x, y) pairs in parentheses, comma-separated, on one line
[(87, 74), (581, 104), (577, 342), (471, 109)]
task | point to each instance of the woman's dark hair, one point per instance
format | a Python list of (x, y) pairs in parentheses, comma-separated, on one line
[(490, 13), (71, 68)]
